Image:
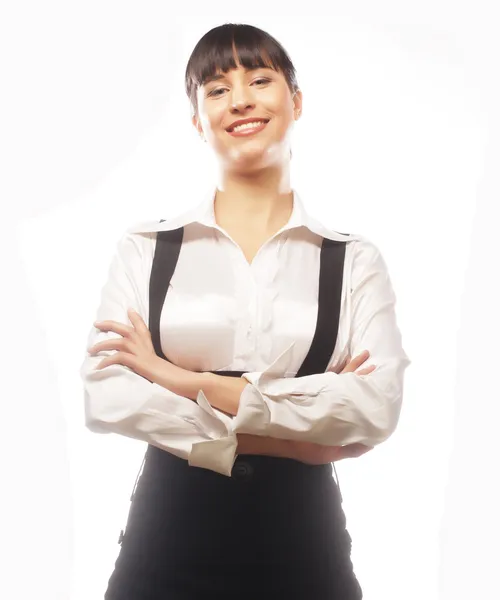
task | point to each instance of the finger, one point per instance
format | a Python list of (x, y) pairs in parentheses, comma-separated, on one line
[(137, 321), (344, 363), (335, 453), (141, 331), (366, 371), (325, 454), (355, 450), (119, 358), (360, 359), (114, 344), (120, 328), (356, 362)]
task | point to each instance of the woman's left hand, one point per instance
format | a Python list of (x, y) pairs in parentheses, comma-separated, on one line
[(134, 349)]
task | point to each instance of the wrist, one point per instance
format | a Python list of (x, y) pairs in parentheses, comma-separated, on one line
[(178, 380), (223, 392)]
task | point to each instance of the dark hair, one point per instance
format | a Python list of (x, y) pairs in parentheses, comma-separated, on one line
[(254, 48)]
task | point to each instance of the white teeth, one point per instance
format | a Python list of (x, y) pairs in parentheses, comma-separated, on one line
[(248, 125)]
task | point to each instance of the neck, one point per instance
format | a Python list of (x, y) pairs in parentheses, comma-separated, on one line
[(261, 201)]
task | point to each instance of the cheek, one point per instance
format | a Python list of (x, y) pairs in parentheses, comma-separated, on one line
[(278, 98), (284, 113), (215, 123), (209, 115)]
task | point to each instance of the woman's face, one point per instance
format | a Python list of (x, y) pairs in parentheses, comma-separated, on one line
[(259, 95)]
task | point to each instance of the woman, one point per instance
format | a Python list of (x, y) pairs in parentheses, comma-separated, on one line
[(258, 396)]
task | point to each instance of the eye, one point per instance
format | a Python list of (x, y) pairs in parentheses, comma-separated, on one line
[(215, 92), (218, 91)]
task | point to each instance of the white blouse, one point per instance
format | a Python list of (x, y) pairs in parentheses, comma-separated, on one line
[(222, 313)]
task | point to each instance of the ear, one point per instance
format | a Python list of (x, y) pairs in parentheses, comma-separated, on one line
[(297, 104), (196, 123)]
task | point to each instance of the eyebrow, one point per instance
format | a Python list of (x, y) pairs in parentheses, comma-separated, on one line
[(219, 76)]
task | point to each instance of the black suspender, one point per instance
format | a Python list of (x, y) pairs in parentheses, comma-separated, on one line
[(327, 324), (329, 299), (168, 247)]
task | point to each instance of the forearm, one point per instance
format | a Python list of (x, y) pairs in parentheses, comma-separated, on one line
[(313, 454), (221, 392), (263, 445)]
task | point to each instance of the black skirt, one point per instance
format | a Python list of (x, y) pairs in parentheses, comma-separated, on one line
[(274, 529)]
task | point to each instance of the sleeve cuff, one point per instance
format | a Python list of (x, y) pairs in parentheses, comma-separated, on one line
[(219, 453), (253, 415), (216, 455)]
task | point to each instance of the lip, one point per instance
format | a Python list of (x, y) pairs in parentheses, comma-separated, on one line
[(248, 120), (246, 132)]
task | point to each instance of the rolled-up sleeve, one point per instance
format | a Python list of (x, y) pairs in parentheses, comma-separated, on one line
[(118, 400), (337, 409)]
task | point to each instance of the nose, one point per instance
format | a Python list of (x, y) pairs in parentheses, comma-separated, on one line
[(241, 106), (241, 99)]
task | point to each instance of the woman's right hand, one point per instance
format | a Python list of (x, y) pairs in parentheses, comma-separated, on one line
[(317, 454), (356, 362)]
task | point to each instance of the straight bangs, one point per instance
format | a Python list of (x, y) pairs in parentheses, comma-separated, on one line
[(217, 50)]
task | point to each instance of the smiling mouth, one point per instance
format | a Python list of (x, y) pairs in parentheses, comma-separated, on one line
[(248, 128)]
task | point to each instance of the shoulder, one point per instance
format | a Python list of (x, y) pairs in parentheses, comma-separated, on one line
[(135, 244), (359, 248), (366, 266), (140, 236), (139, 239), (363, 247)]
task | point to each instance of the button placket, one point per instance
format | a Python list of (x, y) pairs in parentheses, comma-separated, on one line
[(245, 298), (268, 269), (253, 323)]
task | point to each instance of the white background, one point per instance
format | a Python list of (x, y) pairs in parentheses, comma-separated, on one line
[(399, 141)]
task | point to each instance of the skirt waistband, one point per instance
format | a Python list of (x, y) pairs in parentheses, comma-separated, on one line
[(245, 467)]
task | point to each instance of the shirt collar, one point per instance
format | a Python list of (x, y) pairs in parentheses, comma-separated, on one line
[(205, 215)]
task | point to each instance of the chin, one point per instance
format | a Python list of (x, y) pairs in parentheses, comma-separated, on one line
[(258, 157), (238, 159)]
